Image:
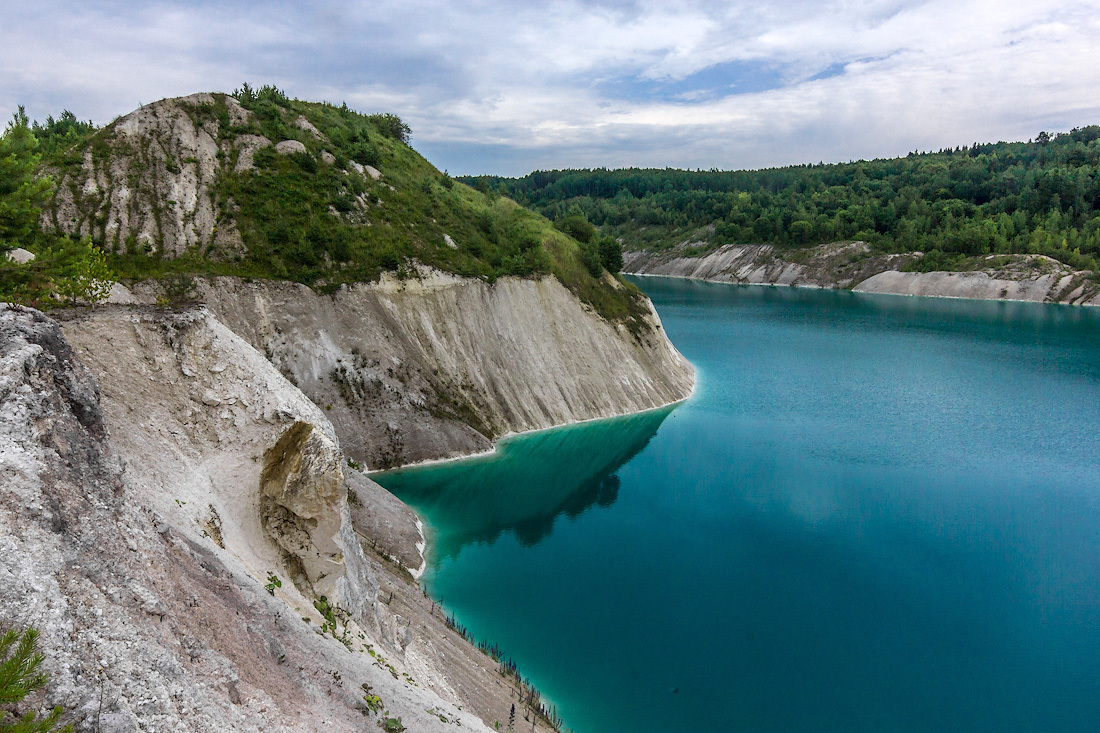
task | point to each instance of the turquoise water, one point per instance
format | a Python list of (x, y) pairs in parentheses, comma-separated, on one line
[(875, 514)]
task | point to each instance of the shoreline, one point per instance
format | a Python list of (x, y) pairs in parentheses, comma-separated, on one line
[(421, 546), (810, 286), (513, 434)]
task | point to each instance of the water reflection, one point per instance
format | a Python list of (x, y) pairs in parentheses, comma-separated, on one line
[(526, 484)]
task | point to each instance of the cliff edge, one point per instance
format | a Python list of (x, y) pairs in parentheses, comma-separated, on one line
[(436, 366)]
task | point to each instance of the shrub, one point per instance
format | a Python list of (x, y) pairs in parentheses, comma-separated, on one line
[(611, 254), (392, 127), (88, 278), (364, 153), (577, 227), (392, 725), (590, 257)]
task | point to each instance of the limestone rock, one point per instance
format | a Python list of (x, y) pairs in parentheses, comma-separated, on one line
[(301, 489), (288, 147), (852, 265), (154, 190), (365, 170), (145, 622), (303, 124), (20, 256), (120, 295), (247, 145)]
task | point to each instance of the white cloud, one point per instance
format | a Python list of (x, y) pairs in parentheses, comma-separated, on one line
[(510, 86)]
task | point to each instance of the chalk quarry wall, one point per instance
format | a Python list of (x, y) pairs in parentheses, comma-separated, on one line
[(852, 265), (440, 366), (131, 535)]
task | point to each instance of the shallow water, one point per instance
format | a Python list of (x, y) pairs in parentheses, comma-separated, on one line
[(876, 513)]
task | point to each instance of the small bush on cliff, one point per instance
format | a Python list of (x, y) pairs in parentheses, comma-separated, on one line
[(392, 725), (87, 278), (20, 675)]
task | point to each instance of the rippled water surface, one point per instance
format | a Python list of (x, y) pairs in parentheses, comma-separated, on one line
[(876, 513)]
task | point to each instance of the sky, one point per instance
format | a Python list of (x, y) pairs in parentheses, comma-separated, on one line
[(490, 86)]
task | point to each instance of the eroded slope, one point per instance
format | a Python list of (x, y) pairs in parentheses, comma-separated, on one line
[(148, 581), (436, 366)]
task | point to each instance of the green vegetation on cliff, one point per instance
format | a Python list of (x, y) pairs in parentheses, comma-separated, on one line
[(63, 268), (1039, 197), (20, 675), (311, 192)]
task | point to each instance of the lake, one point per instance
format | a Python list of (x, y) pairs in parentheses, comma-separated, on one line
[(876, 513)]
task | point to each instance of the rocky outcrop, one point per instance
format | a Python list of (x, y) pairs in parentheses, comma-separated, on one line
[(151, 185), (840, 265), (216, 411), (437, 366), (1059, 284), (150, 617), (852, 265), (304, 512)]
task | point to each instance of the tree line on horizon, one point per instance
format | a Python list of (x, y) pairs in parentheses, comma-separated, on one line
[(1040, 197)]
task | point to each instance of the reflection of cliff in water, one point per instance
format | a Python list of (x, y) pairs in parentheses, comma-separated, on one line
[(526, 483)]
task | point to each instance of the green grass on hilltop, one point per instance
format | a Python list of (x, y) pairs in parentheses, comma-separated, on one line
[(304, 219)]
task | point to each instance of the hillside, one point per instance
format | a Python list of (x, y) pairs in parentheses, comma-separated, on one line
[(259, 185), (1039, 198)]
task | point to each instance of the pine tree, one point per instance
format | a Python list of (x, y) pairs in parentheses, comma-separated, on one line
[(19, 676), (22, 194)]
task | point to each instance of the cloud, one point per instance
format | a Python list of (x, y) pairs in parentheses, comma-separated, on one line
[(505, 87)]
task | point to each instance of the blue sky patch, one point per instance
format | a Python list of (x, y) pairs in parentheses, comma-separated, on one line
[(714, 82)]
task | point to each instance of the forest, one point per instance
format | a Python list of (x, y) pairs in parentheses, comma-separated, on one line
[(1040, 197)]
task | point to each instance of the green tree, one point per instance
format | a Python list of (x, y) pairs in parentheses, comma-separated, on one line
[(55, 136), (611, 254), (86, 277), (392, 126), (20, 675), (22, 194), (590, 257)]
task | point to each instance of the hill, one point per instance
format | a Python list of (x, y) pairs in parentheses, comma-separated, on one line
[(259, 185), (954, 206)]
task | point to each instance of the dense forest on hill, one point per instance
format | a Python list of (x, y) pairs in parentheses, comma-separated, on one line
[(1041, 197)]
